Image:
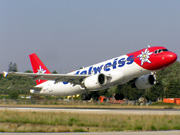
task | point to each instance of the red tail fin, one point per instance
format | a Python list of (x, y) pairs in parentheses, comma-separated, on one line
[(38, 67)]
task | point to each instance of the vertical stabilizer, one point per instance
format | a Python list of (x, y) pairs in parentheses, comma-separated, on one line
[(38, 67)]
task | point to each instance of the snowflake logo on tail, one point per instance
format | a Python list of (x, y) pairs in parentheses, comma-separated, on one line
[(41, 71), (144, 56)]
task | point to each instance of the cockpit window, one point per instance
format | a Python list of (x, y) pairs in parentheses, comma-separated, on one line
[(160, 50), (165, 50)]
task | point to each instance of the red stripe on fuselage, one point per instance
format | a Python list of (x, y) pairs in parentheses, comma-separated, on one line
[(148, 59)]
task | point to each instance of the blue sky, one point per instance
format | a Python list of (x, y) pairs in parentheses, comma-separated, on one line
[(68, 34)]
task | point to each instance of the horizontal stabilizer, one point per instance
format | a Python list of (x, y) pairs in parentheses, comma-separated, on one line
[(25, 88), (5, 73)]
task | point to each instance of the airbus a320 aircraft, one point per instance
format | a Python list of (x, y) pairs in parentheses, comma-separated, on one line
[(136, 67)]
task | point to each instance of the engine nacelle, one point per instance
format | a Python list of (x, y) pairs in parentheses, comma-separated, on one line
[(145, 81), (95, 81)]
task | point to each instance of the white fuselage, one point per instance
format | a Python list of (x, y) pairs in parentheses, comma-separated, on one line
[(121, 69)]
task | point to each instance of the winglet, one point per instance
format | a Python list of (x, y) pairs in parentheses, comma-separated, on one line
[(5, 73)]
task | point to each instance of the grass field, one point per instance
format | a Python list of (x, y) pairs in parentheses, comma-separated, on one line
[(159, 105), (13, 121)]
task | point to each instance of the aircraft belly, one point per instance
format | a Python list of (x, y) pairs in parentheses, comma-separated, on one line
[(61, 89)]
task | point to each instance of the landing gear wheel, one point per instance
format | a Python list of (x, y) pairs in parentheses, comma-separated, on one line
[(88, 96), (85, 96), (119, 96)]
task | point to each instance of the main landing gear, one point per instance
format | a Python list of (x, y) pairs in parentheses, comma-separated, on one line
[(85, 96), (119, 96)]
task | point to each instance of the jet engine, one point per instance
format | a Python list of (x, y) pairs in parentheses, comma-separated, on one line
[(145, 81), (95, 81)]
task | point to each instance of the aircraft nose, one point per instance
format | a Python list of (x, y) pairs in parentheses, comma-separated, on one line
[(172, 57), (165, 59)]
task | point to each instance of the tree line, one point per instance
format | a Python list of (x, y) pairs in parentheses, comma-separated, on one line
[(168, 85)]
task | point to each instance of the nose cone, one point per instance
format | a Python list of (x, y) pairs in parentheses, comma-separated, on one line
[(170, 58), (173, 57)]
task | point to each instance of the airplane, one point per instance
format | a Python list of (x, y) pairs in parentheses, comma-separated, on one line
[(138, 67)]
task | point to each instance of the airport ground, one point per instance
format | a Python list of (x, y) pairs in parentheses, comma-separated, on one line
[(88, 120)]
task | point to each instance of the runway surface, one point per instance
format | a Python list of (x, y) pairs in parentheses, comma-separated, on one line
[(176, 132), (98, 111)]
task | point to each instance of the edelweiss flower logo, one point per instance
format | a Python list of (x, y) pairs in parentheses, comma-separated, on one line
[(144, 56), (40, 70)]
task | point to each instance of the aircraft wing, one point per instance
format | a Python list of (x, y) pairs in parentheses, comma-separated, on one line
[(75, 79)]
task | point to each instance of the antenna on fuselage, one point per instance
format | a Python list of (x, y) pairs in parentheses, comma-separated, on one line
[(81, 67), (149, 46)]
